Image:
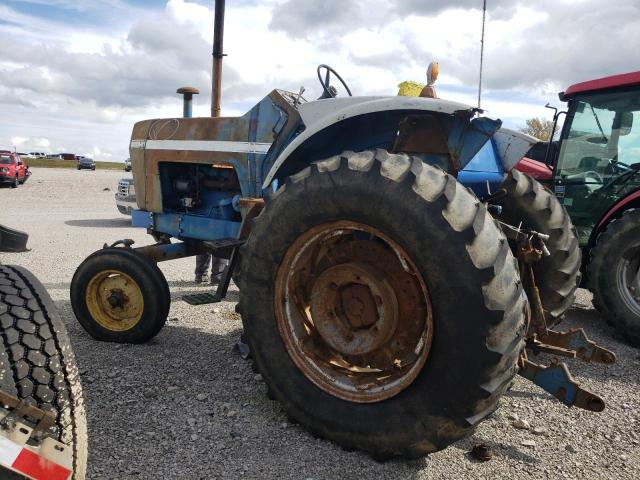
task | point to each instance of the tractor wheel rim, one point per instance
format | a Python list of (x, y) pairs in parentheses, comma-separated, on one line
[(114, 300), (629, 279), (353, 311)]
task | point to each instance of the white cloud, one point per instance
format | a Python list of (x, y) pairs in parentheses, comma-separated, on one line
[(83, 86), (18, 141)]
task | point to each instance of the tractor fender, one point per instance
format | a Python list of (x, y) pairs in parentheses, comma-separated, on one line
[(321, 114), (512, 146), (630, 201)]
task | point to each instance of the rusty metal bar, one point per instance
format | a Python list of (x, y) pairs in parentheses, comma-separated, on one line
[(44, 420), (162, 252), (576, 342), (216, 74)]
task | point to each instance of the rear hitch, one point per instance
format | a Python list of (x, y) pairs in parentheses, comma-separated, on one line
[(556, 378), (25, 447)]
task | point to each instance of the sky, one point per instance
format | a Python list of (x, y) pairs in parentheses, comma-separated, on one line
[(76, 75)]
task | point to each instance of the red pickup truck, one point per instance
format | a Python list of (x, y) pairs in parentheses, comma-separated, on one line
[(12, 169)]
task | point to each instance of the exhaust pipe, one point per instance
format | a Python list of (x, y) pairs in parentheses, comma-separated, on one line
[(216, 74)]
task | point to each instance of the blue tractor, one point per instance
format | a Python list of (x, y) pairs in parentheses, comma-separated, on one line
[(385, 301)]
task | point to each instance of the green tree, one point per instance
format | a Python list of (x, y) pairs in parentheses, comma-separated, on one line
[(538, 128)]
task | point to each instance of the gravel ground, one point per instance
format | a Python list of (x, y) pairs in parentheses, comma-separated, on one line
[(185, 406)]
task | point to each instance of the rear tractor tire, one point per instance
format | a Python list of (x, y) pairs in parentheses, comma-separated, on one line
[(118, 295), (614, 275), (530, 204), (36, 361), (382, 304)]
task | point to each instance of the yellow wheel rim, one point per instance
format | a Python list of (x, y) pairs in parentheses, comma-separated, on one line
[(114, 300)]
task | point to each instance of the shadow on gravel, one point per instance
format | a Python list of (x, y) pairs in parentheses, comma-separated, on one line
[(101, 223), (232, 295), (176, 296), (185, 405)]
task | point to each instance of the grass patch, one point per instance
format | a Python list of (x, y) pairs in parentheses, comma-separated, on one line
[(57, 163)]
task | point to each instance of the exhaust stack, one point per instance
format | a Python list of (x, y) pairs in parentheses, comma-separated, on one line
[(216, 74)]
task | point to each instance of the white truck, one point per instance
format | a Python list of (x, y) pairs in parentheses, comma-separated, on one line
[(126, 196)]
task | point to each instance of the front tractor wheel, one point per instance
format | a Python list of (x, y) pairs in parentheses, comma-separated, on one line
[(120, 296), (382, 304)]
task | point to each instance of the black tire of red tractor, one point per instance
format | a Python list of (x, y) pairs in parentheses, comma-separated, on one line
[(37, 362), (558, 275), (620, 237), (478, 302), (15, 182), (148, 277)]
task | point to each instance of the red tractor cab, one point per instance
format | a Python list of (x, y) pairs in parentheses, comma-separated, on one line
[(595, 172)]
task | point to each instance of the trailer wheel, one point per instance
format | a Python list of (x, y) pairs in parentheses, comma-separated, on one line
[(36, 360), (558, 276), (614, 275), (350, 296), (118, 295)]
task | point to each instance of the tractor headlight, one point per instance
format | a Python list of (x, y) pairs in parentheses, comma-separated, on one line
[(4, 170)]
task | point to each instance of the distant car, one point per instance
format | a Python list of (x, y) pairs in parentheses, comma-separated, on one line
[(37, 154), (85, 163), (13, 170), (126, 196), (54, 156), (127, 165)]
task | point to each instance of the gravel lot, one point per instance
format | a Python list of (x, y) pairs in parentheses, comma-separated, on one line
[(185, 406)]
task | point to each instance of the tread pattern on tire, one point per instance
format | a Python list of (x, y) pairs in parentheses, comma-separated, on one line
[(612, 240), (35, 352), (487, 249), (558, 276)]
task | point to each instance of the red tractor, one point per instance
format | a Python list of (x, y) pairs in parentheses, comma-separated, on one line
[(594, 169)]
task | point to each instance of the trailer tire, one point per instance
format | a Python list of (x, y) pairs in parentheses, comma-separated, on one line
[(558, 276), (615, 262), (37, 361), (459, 250), (135, 285)]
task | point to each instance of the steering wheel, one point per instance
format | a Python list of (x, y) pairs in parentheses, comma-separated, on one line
[(329, 91), (591, 174)]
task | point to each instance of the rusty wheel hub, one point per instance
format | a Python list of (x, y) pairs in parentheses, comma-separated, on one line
[(348, 309), (353, 311)]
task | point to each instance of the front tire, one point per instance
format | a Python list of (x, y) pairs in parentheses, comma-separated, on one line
[(530, 204), (15, 182), (614, 275), (37, 362), (118, 295), (400, 211)]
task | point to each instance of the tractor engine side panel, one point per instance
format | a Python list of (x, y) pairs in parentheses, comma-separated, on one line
[(241, 143)]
